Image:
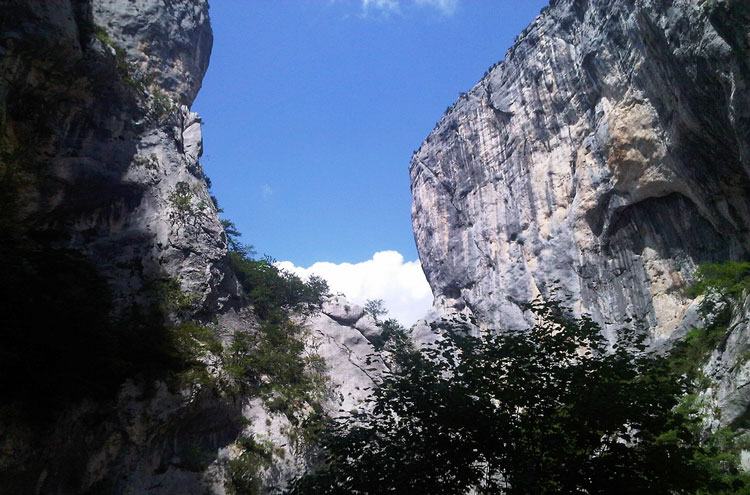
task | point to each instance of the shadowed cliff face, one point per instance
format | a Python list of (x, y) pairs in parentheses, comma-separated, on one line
[(112, 243), (606, 155), (95, 127)]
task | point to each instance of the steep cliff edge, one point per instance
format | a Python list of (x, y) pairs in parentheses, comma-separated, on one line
[(608, 155), (96, 126)]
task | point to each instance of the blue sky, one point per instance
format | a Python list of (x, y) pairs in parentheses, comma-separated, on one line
[(312, 110)]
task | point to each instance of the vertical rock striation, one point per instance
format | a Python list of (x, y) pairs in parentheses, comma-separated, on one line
[(607, 155)]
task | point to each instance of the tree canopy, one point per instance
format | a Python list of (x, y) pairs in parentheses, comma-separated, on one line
[(548, 410)]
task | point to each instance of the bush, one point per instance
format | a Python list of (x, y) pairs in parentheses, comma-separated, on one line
[(270, 289), (273, 363), (724, 284), (243, 472), (729, 280)]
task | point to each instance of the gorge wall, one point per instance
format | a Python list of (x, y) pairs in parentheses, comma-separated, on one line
[(97, 94), (607, 155), (106, 214)]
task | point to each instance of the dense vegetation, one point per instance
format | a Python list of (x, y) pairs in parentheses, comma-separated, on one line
[(722, 285), (273, 361), (554, 409)]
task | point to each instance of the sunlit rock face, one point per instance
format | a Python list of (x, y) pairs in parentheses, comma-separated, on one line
[(607, 156)]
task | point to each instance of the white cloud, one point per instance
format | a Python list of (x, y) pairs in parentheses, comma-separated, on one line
[(445, 7), (384, 6), (400, 284)]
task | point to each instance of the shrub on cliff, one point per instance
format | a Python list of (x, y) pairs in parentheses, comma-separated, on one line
[(269, 288), (549, 410), (728, 280)]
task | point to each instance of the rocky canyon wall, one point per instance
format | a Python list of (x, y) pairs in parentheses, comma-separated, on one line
[(607, 155), (96, 95), (99, 162)]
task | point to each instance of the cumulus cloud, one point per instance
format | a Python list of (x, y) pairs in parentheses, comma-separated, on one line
[(400, 284)]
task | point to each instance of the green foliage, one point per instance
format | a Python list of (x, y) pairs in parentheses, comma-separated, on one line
[(723, 284), (720, 457), (181, 197), (274, 364), (375, 308), (391, 332), (243, 472), (127, 72), (729, 280), (162, 106), (269, 288), (273, 361), (169, 297), (688, 355), (391, 329), (549, 410)]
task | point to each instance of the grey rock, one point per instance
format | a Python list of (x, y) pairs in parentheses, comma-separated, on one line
[(727, 400), (117, 143), (169, 41), (353, 364), (606, 156), (369, 328), (341, 310), (95, 96)]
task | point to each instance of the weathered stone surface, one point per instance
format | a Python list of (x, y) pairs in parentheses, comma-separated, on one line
[(170, 41), (353, 369), (354, 366), (727, 400), (606, 155), (369, 328), (341, 310), (95, 93), (96, 129)]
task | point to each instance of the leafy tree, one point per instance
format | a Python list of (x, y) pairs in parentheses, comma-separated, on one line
[(270, 288), (233, 238), (375, 308), (549, 410)]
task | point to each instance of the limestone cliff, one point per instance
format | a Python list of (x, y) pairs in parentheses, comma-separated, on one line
[(99, 162), (97, 95), (608, 154)]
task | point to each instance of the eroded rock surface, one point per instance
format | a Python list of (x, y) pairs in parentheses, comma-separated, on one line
[(97, 93), (607, 155), (726, 400), (100, 153)]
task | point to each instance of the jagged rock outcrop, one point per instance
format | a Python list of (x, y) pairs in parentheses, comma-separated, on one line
[(607, 155), (353, 367), (344, 335), (97, 93)]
